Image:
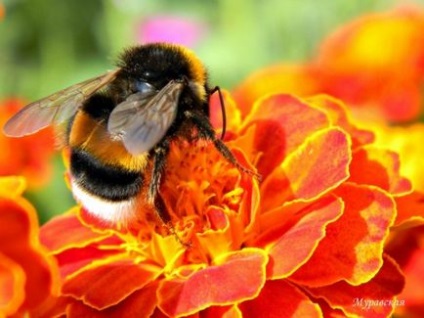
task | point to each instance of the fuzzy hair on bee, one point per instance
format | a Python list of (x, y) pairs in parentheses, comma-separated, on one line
[(122, 122)]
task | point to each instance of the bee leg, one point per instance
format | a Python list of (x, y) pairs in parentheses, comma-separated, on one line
[(207, 132), (159, 161), (154, 197)]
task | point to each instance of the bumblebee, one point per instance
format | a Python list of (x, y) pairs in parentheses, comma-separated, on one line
[(120, 124)]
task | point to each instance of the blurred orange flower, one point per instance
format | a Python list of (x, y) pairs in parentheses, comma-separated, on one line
[(28, 156), (377, 62), (27, 272), (305, 241)]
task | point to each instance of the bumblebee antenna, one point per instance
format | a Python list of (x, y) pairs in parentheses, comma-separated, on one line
[(224, 116)]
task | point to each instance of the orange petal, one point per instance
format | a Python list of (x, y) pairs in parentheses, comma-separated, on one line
[(221, 312), (73, 259), (19, 242), (300, 80), (407, 142), (353, 246), (12, 186), (410, 209), (107, 283), (339, 116), (287, 119), (379, 167), (290, 245), (12, 286), (141, 303), (29, 156), (280, 299), (66, 231), (235, 277), (414, 284), (315, 168), (372, 299)]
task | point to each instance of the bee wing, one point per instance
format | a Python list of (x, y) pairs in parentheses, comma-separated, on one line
[(143, 119), (56, 108)]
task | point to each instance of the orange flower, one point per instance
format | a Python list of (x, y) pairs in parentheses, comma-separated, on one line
[(377, 62), (305, 241), (26, 271), (28, 156)]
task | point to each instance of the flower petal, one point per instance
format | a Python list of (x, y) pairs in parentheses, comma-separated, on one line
[(315, 168), (74, 259), (12, 186), (222, 312), (414, 285), (379, 167), (141, 303), (372, 299), (19, 242), (301, 80), (287, 119), (235, 277), (291, 243), (410, 209), (66, 232), (29, 156), (353, 246), (339, 116), (12, 286), (106, 283), (280, 299)]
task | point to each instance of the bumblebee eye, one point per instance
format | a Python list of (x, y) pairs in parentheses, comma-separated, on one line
[(144, 87)]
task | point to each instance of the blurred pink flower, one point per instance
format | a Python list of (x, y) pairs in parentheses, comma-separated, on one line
[(172, 29)]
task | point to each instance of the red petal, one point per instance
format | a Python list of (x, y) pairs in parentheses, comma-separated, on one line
[(221, 312), (338, 115), (288, 120), (66, 231), (372, 299), (19, 242), (107, 284), (141, 303), (315, 168), (237, 277), (291, 244), (378, 167), (12, 285), (414, 273), (410, 209), (74, 259), (280, 299), (297, 79), (353, 246)]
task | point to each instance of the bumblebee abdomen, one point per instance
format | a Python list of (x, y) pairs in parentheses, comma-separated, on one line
[(107, 182)]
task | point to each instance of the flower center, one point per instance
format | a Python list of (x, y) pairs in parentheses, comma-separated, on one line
[(197, 177)]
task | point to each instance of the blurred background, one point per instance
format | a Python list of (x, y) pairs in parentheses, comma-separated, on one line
[(47, 45)]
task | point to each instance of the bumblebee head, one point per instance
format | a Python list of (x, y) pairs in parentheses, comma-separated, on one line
[(157, 64)]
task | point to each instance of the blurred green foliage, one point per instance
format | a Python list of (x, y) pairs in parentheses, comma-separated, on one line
[(47, 45)]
